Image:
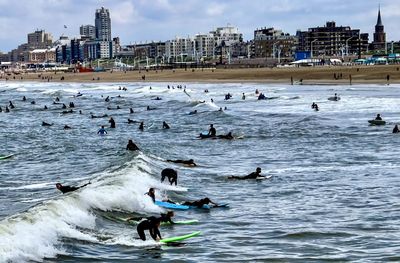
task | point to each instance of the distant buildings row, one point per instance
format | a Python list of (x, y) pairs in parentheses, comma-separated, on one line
[(227, 42)]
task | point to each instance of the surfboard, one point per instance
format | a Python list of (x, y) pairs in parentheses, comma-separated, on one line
[(264, 177), (171, 205), (179, 238), (6, 156), (377, 122)]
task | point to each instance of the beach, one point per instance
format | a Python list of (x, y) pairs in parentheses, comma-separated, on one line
[(308, 75)]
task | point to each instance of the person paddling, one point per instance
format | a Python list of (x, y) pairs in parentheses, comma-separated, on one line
[(253, 175), (67, 189)]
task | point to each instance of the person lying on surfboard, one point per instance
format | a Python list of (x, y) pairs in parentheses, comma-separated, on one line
[(189, 162), (67, 188), (227, 136), (152, 224), (253, 175), (199, 203)]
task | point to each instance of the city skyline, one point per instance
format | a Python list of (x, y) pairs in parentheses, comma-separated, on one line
[(160, 20)]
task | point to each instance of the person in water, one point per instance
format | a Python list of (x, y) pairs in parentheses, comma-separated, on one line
[(46, 124), (102, 131), (141, 126), (112, 123), (171, 174), (253, 175), (228, 136), (199, 203), (212, 131), (132, 146), (378, 117), (243, 96), (164, 218), (396, 129), (193, 112), (131, 111), (189, 162), (165, 125), (67, 189), (152, 194), (152, 224)]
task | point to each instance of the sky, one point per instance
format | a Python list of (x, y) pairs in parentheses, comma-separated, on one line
[(136, 21)]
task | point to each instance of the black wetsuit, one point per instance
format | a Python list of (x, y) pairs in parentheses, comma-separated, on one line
[(132, 147), (67, 189), (187, 162), (253, 175), (212, 132), (198, 203), (151, 225), (165, 218), (171, 174)]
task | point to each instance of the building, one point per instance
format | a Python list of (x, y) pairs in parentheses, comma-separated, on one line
[(270, 42), (204, 45), (4, 57), (379, 42), (88, 31), (103, 25), (42, 55), (40, 39), (180, 49), (331, 40), (98, 50), (226, 36)]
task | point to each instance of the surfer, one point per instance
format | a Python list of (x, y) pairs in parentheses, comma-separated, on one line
[(46, 124), (199, 203), (132, 146), (378, 117), (131, 111), (189, 162), (130, 121), (193, 112), (141, 126), (243, 96), (396, 129), (152, 224), (67, 188), (228, 136), (112, 122), (165, 125), (171, 174), (212, 132), (102, 131), (152, 194), (164, 217), (253, 175)]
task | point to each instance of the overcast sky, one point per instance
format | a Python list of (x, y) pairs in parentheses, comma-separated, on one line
[(147, 20)]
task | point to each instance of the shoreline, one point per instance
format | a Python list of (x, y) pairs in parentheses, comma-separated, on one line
[(309, 76)]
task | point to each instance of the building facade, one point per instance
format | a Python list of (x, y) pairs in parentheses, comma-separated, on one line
[(42, 55), (40, 39), (88, 31), (103, 25), (331, 40), (270, 42), (180, 49)]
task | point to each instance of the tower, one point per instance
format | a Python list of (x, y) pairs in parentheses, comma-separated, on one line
[(379, 35), (103, 25)]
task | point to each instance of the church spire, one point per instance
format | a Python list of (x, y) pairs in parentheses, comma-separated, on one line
[(379, 22)]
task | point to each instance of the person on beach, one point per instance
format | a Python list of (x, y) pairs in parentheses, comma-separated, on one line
[(171, 174), (189, 162), (132, 146), (165, 125), (67, 189), (102, 131), (112, 123), (396, 129), (378, 117), (199, 203), (253, 175), (152, 194), (151, 224)]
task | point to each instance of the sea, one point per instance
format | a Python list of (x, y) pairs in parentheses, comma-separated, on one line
[(333, 194)]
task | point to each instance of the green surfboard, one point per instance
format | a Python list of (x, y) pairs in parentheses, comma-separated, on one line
[(6, 156), (179, 238)]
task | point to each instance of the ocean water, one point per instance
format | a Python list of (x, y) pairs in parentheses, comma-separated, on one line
[(333, 195)]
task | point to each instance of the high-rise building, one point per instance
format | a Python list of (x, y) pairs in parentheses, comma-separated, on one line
[(103, 25), (40, 39), (332, 40), (88, 31), (379, 35), (270, 42)]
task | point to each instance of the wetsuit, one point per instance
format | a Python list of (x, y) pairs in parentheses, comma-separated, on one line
[(165, 218), (187, 162), (132, 147), (171, 174), (151, 225), (378, 118), (198, 203), (253, 175), (67, 189), (102, 131), (212, 132)]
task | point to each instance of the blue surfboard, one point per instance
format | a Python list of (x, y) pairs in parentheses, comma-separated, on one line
[(171, 205)]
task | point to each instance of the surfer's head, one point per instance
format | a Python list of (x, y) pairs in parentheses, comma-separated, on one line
[(58, 185), (170, 213), (258, 170)]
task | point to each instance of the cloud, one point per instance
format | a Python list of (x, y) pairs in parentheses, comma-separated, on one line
[(124, 13), (215, 9)]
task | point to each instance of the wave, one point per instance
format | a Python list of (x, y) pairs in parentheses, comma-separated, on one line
[(39, 232)]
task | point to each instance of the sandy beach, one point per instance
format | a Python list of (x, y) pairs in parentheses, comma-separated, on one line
[(309, 75)]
